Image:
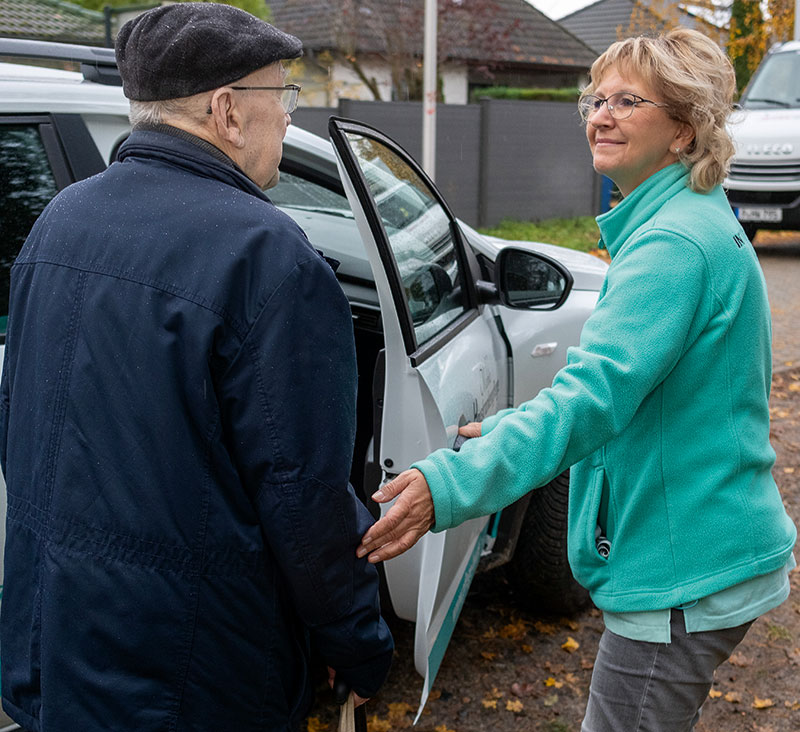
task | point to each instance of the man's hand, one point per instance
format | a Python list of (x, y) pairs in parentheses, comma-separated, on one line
[(357, 700), (411, 516)]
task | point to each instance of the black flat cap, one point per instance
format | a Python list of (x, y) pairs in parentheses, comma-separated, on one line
[(183, 49)]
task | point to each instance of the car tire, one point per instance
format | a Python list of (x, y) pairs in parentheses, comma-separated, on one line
[(539, 570)]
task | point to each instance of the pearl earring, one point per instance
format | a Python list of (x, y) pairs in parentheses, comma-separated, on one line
[(677, 150)]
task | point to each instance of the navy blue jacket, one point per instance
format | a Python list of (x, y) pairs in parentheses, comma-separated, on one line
[(178, 417)]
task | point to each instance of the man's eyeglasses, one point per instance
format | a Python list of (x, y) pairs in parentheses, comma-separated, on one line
[(620, 105), (289, 94)]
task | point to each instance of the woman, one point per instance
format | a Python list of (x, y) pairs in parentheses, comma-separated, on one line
[(676, 526)]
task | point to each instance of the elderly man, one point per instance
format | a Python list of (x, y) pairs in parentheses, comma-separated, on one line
[(178, 409)]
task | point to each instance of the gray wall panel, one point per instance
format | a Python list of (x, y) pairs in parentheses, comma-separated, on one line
[(494, 160)]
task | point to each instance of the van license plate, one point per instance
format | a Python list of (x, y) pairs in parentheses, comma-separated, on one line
[(773, 215)]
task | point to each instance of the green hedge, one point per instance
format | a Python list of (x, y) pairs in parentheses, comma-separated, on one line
[(569, 94)]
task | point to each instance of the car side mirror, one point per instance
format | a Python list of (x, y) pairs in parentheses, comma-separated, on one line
[(530, 281)]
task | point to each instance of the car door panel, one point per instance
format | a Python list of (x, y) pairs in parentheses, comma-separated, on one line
[(445, 363)]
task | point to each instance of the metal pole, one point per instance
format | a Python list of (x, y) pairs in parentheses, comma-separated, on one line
[(429, 90), (797, 20)]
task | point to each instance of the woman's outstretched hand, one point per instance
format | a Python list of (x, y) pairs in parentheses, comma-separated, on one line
[(407, 520)]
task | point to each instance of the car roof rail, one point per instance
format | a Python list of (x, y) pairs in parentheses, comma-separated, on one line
[(97, 64)]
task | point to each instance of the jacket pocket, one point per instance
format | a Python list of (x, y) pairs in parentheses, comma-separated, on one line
[(588, 565)]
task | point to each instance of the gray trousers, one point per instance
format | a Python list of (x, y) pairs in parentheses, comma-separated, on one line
[(656, 687)]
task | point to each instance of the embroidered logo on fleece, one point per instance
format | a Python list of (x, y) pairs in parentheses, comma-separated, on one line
[(739, 241)]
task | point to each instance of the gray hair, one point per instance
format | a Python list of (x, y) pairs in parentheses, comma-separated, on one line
[(190, 109)]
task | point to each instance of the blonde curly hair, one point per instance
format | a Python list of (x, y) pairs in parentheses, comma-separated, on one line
[(695, 79)]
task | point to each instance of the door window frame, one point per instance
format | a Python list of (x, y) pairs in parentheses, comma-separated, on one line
[(338, 127)]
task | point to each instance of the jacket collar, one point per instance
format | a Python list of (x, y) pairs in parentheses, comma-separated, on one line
[(617, 225), (180, 148)]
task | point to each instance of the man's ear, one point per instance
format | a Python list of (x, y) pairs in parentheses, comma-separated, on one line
[(227, 118)]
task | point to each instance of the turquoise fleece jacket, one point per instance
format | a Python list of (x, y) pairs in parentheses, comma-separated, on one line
[(662, 409)]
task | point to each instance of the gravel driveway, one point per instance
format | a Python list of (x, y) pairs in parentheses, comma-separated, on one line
[(779, 254)]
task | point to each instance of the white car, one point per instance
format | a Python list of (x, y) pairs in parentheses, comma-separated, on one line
[(450, 325)]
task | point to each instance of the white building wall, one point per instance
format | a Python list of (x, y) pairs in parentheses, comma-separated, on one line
[(455, 88)]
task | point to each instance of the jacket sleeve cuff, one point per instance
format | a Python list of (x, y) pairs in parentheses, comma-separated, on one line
[(442, 507), (367, 678), (490, 423)]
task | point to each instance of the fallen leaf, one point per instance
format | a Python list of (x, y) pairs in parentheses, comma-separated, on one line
[(489, 703), (762, 703), (488, 655), (398, 715), (570, 623), (514, 705), (315, 724), (571, 679), (794, 706), (734, 697), (587, 664), (551, 700), (545, 628), (570, 645), (376, 724), (496, 693), (737, 659), (514, 631), (550, 681), (435, 694), (788, 470), (526, 648), (489, 634), (794, 387), (714, 694), (443, 728), (518, 689)]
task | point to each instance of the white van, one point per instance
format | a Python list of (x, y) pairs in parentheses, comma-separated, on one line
[(764, 183)]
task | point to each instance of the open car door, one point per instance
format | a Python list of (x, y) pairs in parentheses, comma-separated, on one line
[(446, 363)]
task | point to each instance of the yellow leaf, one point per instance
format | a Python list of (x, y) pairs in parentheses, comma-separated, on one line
[(788, 470), (571, 679), (489, 703), (545, 628), (552, 682), (443, 728), (762, 703), (376, 724), (734, 697), (315, 724), (526, 648), (795, 705), (514, 631), (514, 705), (488, 655), (714, 694), (489, 634), (435, 694), (571, 624), (794, 387), (551, 700), (570, 645), (398, 712)]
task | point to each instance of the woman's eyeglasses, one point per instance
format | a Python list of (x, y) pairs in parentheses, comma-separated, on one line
[(289, 94), (620, 105)]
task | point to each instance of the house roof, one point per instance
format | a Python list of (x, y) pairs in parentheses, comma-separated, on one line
[(506, 32), (599, 25), (51, 20)]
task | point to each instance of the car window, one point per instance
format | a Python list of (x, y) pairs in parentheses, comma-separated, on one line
[(302, 194), (26, 187), (419, 234), (777, 83)]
